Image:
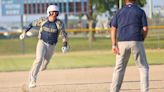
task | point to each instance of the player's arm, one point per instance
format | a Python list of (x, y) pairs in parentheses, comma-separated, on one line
[(61, 28), (23, 35), (65, 46), (35, 23), (27, 28), (64, 36)]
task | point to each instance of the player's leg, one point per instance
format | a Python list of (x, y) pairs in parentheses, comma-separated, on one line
[(120, 67), (47, 57), (40, 52), (141, 62)]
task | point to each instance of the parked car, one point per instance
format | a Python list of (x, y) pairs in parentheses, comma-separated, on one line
[(4, 32), (17, 29)]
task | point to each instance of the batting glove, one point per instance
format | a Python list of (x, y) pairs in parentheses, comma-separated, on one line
[(22, 36), (65, 47)]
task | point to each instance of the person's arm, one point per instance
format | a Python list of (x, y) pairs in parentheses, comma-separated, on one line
[(27, 28), (115, 48), (34, 23), (114, 25), (23, 34), (65, 47), (145, 32), (64, 34), (113, 36), (61, 28), (145, 25)]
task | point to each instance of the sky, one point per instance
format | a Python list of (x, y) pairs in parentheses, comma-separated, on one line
[(158, 4)]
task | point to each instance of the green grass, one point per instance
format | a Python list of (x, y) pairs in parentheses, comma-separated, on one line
[(82, 53), (155, 40), (14, 46), (82, 59)]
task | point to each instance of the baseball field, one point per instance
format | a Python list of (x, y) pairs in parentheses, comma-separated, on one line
[(87, 67), (84, 71), (80, 80), (77, 59)]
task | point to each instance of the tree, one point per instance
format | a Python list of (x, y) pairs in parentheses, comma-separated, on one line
[(90, 21), (141, 3), (102, 6)]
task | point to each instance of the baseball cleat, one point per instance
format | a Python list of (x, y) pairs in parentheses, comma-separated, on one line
[(32, 84)]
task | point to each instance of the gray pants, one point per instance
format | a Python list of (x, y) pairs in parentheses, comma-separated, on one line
[(44, 53), (125, 48)]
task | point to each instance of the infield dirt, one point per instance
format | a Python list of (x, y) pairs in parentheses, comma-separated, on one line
[(80, 80)]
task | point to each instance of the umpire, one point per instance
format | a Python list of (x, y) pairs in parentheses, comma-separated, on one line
[(129, 29)]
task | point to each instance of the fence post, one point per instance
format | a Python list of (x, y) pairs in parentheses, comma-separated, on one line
[(22, 42)]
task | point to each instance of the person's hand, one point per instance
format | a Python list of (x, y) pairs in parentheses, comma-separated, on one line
[(115, 50), (22, 36), (65, 47)]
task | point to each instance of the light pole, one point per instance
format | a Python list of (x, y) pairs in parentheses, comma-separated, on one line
[(150, 8), (120, 4)]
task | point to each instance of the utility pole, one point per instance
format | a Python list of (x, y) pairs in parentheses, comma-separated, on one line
[(120, 4), (22, 42), (150, 8)]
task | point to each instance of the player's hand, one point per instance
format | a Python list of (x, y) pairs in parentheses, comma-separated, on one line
[(115, 50), (65, 47), (22, 36)]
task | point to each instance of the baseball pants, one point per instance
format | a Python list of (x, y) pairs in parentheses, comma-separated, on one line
[(44, 53), (125, 48)]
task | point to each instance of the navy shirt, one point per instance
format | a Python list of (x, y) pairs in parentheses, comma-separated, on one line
[(129, 22)]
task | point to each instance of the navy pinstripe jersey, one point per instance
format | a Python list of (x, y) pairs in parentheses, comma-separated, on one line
[(49, 31)]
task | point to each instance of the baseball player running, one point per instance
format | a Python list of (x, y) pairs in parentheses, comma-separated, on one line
[(50, 27)]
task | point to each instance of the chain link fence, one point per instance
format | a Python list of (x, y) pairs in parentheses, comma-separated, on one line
[(10, 43)]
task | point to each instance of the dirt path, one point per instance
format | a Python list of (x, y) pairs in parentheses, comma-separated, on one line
[(81, 80)]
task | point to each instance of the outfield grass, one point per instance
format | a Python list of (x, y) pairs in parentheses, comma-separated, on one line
[(82, 53), (14, 46), (82, 59)]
